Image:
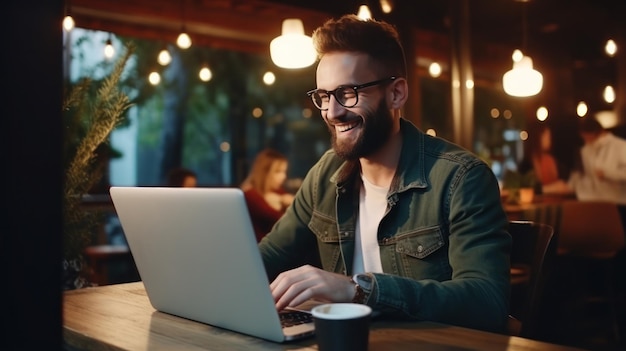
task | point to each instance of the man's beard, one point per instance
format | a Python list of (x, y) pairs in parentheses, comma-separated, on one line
[(376, 130)]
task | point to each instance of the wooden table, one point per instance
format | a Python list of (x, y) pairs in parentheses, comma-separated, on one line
[(120, 317), (516, 211)]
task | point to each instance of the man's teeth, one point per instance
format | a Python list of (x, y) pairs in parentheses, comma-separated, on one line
[(346, 127)]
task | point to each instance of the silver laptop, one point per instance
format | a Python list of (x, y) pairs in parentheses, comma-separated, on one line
[(198, 258)]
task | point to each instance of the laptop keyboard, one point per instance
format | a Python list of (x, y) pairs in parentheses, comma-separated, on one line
[(291, 318)]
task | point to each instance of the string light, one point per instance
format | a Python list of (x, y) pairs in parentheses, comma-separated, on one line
[(109, 50), (542, 113), (164, 57), (269, 78), (610, 48), (68, 23), (434, 69), (609, 94), (183, 41), (205, 73), (154, 78), (581, 109), (386, 6)]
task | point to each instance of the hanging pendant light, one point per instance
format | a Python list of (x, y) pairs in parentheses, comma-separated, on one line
[(364, 13), (164, 57), (523, 80), (183, 41), (205, 73), (292, 49), (109, 50), (68, 20), (68, 23)]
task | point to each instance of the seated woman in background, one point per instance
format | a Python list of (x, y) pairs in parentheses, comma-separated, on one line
[(538, 158), (182, 177), (263, 189)]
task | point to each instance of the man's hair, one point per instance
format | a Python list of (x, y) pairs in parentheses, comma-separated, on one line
[(590, 125), (378, 39)]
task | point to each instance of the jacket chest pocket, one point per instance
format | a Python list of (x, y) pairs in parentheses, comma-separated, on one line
[(418, 255), (421, 243), (324, 228), (327, 233)]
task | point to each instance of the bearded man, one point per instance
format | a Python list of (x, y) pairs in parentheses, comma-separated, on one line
[(409, 224)]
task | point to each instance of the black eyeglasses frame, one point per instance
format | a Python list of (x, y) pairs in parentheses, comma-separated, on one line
[(342, 87)]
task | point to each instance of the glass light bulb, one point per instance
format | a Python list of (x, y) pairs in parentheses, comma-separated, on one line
[(154, 78), (68, 23), (269, 78), (164, 57), (109, 50), (609, 94), (183, 41), (542, 113), (581, 109), (434, 70), (205, 74), (610, 48), (386, 6)]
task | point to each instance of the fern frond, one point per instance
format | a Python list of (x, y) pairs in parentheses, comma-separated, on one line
[(100, 119)]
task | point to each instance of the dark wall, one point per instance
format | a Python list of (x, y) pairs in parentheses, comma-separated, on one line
[(31, 135)]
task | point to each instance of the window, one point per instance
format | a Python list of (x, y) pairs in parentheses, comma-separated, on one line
[(214, 127)]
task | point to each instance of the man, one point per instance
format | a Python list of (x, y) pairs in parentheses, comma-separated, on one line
[(417, 220)]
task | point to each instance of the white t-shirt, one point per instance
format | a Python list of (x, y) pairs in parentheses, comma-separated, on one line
[(608, 154), (372, 207)]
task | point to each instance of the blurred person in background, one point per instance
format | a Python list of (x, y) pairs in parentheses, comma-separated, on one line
[(549, 173), (182, 177), (264, 190), (602, 172)]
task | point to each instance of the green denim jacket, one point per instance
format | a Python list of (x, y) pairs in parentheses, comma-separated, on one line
[(443, 241)]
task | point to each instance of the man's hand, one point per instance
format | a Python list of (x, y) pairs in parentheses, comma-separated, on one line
[(294, 287)]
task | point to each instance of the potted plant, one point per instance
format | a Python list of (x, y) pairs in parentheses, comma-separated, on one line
[(520, 186), (90, 115)]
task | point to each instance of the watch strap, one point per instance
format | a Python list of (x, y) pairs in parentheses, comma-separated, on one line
[(362, 288)]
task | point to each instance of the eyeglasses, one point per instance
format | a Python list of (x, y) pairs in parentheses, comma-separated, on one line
[(346, 96)]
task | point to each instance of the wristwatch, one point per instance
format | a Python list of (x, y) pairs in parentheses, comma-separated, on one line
[(362, 287)]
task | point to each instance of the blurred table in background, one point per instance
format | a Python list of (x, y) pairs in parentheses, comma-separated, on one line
[(537, 210)]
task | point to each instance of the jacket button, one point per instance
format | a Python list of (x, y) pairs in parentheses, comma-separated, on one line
[(420, 248)]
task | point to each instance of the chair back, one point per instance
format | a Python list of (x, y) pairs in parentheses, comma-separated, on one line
[(590, 229), (549, 213), (532, 251)]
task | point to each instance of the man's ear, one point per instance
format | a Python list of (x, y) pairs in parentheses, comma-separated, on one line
[(399, 93)]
